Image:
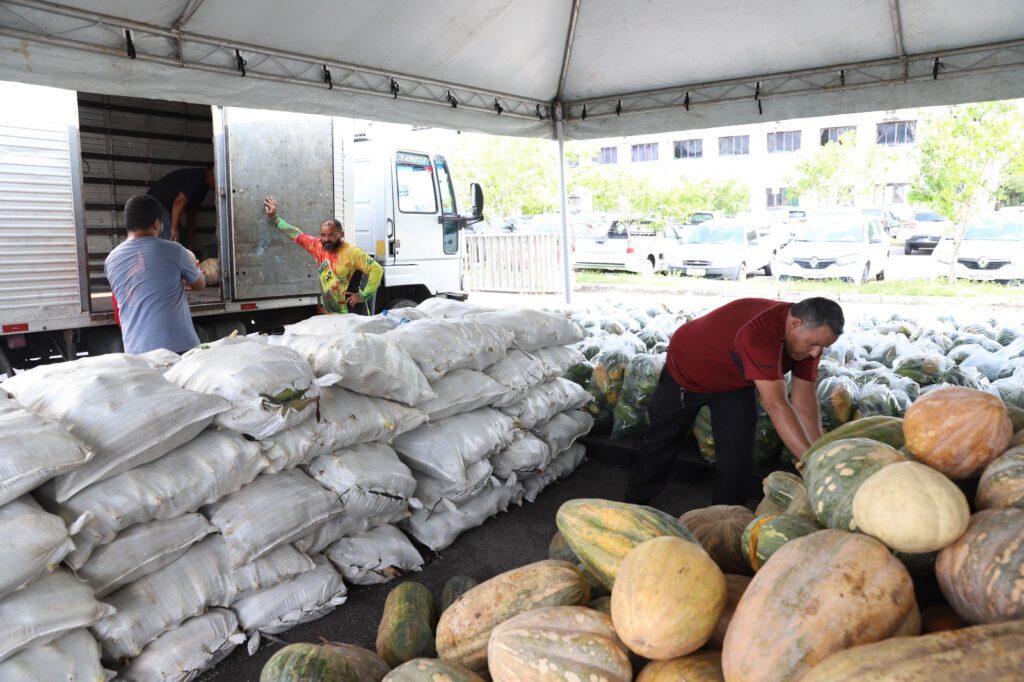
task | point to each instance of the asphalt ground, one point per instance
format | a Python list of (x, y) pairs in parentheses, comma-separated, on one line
[(517, 537)]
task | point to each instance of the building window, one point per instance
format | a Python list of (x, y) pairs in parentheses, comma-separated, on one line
[(688, 149), (779, 197), (896, 193), (896, 132), (788, 141), (645, 152), (833, 134), (736, 145), (608, 155)]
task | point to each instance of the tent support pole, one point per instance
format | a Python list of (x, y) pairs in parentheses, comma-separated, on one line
[(563, 205)]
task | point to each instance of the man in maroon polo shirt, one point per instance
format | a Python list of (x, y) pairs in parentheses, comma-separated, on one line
[(718, 360)]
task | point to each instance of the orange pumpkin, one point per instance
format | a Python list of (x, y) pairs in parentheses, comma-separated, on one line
[(980, 574), (819, 594), (719, 529), (957, 430), (701, 667)]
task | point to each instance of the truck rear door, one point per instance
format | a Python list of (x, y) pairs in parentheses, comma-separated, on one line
[(289, 156)]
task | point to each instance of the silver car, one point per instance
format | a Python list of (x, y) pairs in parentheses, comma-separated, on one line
[(718, 248)]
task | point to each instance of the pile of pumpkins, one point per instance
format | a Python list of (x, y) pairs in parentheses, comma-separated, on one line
[(818, 584)]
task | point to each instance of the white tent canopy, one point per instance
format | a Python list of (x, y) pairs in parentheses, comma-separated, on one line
[(611, 67)]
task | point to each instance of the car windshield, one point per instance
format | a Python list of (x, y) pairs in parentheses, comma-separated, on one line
[(928, 216), (833, 231), (708, 233), (991, 228), (700, 217)]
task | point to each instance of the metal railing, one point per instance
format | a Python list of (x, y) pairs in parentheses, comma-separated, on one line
[(525, 263)]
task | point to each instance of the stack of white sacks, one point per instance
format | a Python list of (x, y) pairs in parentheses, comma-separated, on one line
[(202, 500)]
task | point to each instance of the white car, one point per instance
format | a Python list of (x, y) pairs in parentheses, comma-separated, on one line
[(718, 248), (992, 249), (850, 246)]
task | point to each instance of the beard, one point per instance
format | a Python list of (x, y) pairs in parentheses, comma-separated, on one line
[(329, 245)]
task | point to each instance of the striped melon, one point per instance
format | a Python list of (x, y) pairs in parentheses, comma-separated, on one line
[(765, 535), (884, 429), (1002, 483), (557, 643), (835, 473), (602, 532)]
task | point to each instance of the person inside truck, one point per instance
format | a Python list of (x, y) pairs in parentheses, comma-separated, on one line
[(148, 277), (180, 193), (718, 360), (337, 261)]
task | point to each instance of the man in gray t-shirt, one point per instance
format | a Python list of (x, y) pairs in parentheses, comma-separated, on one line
[(148, 276)]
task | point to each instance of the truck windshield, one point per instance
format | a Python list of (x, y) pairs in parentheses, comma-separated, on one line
[(415, 183)]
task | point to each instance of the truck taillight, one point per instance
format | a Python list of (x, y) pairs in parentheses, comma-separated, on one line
[(629, 247)]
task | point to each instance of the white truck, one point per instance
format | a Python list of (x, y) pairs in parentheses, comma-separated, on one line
[(69, 160)]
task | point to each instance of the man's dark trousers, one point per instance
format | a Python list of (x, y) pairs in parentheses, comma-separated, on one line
[(672, 413)]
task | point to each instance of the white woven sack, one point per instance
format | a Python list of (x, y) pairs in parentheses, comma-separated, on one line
[(441, 307), (371, 364), (560, 467), (200, 578), (369, 479), (459, 391), (345, 526), (519, 373), (292, 602), (430, 491), (74, 657), (438, 529), (46, 609), (294, 447), (270, 511), (524, 455), (33, 450), (92, 401), (534, 329), (336, 325), (270, 388), (445, 448), (439, 346), (160, 359), (213, 465), (377, 556), (547, 400), (563, 430), (185, 652), (141, 550), (556, 361), (348, 418), (33, 543)]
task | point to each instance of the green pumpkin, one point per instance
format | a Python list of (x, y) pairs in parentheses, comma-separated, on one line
[(431, 670), (786, 493), (835, 472), (307, 663), (560, 550), (406, 629), (888, 430), (454, 588), (765, 535)]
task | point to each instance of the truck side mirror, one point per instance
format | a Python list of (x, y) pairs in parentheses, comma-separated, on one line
[(478, 200)]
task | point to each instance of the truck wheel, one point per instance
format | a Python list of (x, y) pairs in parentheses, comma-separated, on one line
[(907, 250), (400, 303), (647, 267)]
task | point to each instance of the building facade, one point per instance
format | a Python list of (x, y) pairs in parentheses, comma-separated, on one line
[(764, 156)]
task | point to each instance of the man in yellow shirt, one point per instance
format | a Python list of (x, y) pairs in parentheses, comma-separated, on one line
[(337, 260)]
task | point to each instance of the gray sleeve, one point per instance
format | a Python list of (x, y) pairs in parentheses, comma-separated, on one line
[(189, 272)]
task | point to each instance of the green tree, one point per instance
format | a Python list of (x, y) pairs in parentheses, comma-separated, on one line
[(964, 155), (837, 173)]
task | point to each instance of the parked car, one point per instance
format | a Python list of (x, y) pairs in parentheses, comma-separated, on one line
[(552, 224), (698, 217), (846, 246), (924, 231), (992, 249), (718, 248), (514, 223), (890, 223), (627, 244)]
